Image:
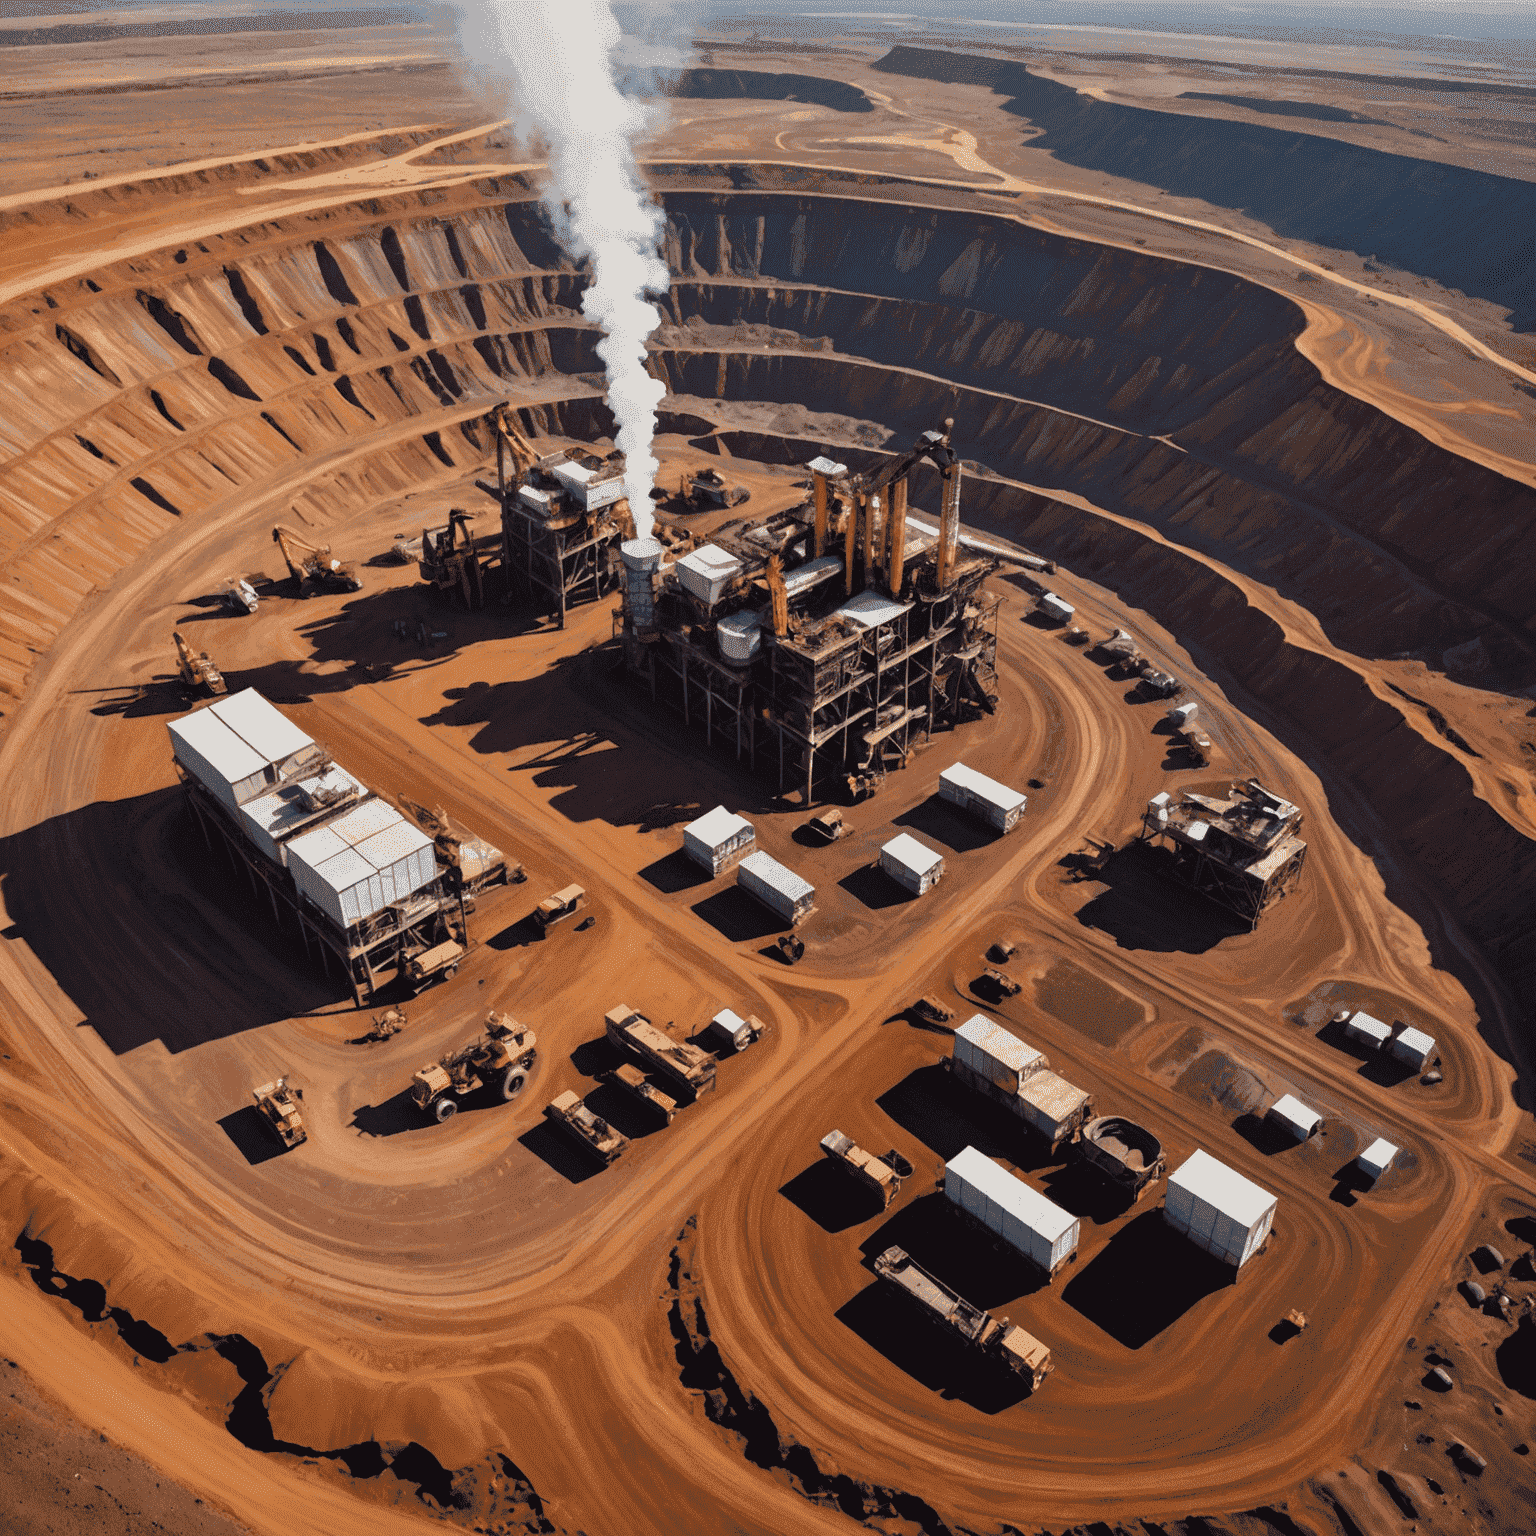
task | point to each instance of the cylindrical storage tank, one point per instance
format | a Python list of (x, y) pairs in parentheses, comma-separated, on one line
[(642, 559), (740, 637)]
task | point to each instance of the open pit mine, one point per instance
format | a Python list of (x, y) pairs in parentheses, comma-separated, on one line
[(969, 969)]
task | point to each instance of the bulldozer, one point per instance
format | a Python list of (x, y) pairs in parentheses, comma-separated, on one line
[(472, 862), (708, 488), (197, 668), (501, 1056), (312, 567), (279, 1107)]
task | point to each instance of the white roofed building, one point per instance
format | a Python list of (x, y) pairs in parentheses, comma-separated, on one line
[(1217, 1209), (719, 839)]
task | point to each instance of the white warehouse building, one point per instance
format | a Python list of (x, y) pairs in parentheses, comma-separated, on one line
[(995, 804), (1006, 1206), (912, 865), (1217, 1209), (779, 888), (719, 839)]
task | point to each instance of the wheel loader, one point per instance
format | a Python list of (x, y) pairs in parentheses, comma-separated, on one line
[(501, 1057)]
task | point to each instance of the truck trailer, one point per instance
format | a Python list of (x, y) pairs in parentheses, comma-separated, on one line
[(570, 1113), (998, 1340), (691, 1068), (882, 1175)]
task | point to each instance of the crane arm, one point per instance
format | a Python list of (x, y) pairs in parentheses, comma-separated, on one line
[(301, 557)]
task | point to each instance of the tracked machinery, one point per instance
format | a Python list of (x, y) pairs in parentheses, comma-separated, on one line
[(501, 1057), (707, 488), (453, 561), (472, 862), (278, 1105), (312, 566), (197, 669)]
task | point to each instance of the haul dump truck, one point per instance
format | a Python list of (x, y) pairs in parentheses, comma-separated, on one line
[(588, 1130), (634, 1082), (1127, 1154), (881, 1174), (279, 1106), (563, 904), (1001, 1341), (434, 963), (829, 825), (501, 1056), (692, 1069)]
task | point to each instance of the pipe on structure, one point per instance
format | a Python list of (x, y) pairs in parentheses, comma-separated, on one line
[(896, 536), (949, 526), (819, 480)]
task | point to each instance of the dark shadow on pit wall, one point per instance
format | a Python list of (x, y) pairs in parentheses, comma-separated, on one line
[(1144, 1281), (760, 85), (1411, 213)]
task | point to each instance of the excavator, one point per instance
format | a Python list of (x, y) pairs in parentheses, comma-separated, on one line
[(450, 561), (312, 567), (197, 668)]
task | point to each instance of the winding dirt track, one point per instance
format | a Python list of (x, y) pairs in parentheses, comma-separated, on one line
[(465, 1287)]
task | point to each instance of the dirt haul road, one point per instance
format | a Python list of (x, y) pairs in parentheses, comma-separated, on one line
[(336, 1338)]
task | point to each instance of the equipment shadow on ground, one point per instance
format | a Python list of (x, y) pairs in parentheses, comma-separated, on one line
[(1264, 1135), (960, 1252), (400, 1113), (1146, 907), (935, 817), (929, 1353), (568, 1160), (737, 917), (1082, 1192), (252, 1136), (1146, 1278), (624, 1112), (871, 885), (831, 1198), (948, 1117), (676, 872)]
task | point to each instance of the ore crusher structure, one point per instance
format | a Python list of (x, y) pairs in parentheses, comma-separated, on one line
[(361, 883), (825, 642)]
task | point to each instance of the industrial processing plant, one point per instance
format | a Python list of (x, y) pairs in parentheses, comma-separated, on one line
[(767, 772)]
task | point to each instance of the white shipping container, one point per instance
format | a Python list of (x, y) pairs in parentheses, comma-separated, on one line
[(707, 572), (718, 839), (1290, 1114), (1376, 1158), (912, 865), (779, 889), (1365, 1030), (1218, 1209), (993, 1053), (1055, 607), (1052, 1105), (1414, 1047), (1007, 1206), (351, 883), (994, 803)]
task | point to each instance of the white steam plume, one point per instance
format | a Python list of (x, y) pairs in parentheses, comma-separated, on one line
[(560, 56)]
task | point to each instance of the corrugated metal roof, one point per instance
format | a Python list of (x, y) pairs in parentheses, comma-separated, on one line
[(347, 869), (710, 561), (1290, 1109), (785, 881), (1052, 1095), (387, 848), (871, 608), (982, 787), (989, 1036), (274, 811), (803, 577), (224, 751), (314, 848), (1221, 1187), (1013, 1194), (906, 850), (268, 730), (1416, 1040), (717, 827), (366, 819)]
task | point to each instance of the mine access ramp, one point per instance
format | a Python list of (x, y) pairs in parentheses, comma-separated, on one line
[(1001, 1341), (585, 1127), (691, 1068), (883, 1175)]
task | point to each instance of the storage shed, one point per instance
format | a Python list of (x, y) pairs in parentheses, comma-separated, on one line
[(991, 1054), (1364, 1030), (779, 889), (1376, 1158), (237, 748), (1218, 1209), (353, 871), (1052, 1105), (1290, 1114), (911, 864), (1414, 1047), (994, 803), (719, 839), (270, 819), (707, 572), (1007, 1207)]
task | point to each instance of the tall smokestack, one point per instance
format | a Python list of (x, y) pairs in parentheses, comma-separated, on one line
[(560, 56)]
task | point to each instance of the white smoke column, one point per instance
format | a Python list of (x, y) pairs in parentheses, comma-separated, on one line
[(560, 55)]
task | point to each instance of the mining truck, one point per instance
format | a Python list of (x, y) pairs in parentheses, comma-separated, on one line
[(439, 962), (589, 1130), (931, 1011), (678, 1061), (829, 825), (197, 668), (563, 904), (634, 1082), (708, 488), (501, 1056), (996, 1339), (1126, 1154), (237, 593), (279, 1106), (883, 1175)]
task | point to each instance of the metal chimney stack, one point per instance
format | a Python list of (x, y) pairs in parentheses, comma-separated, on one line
[(642, 559)]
